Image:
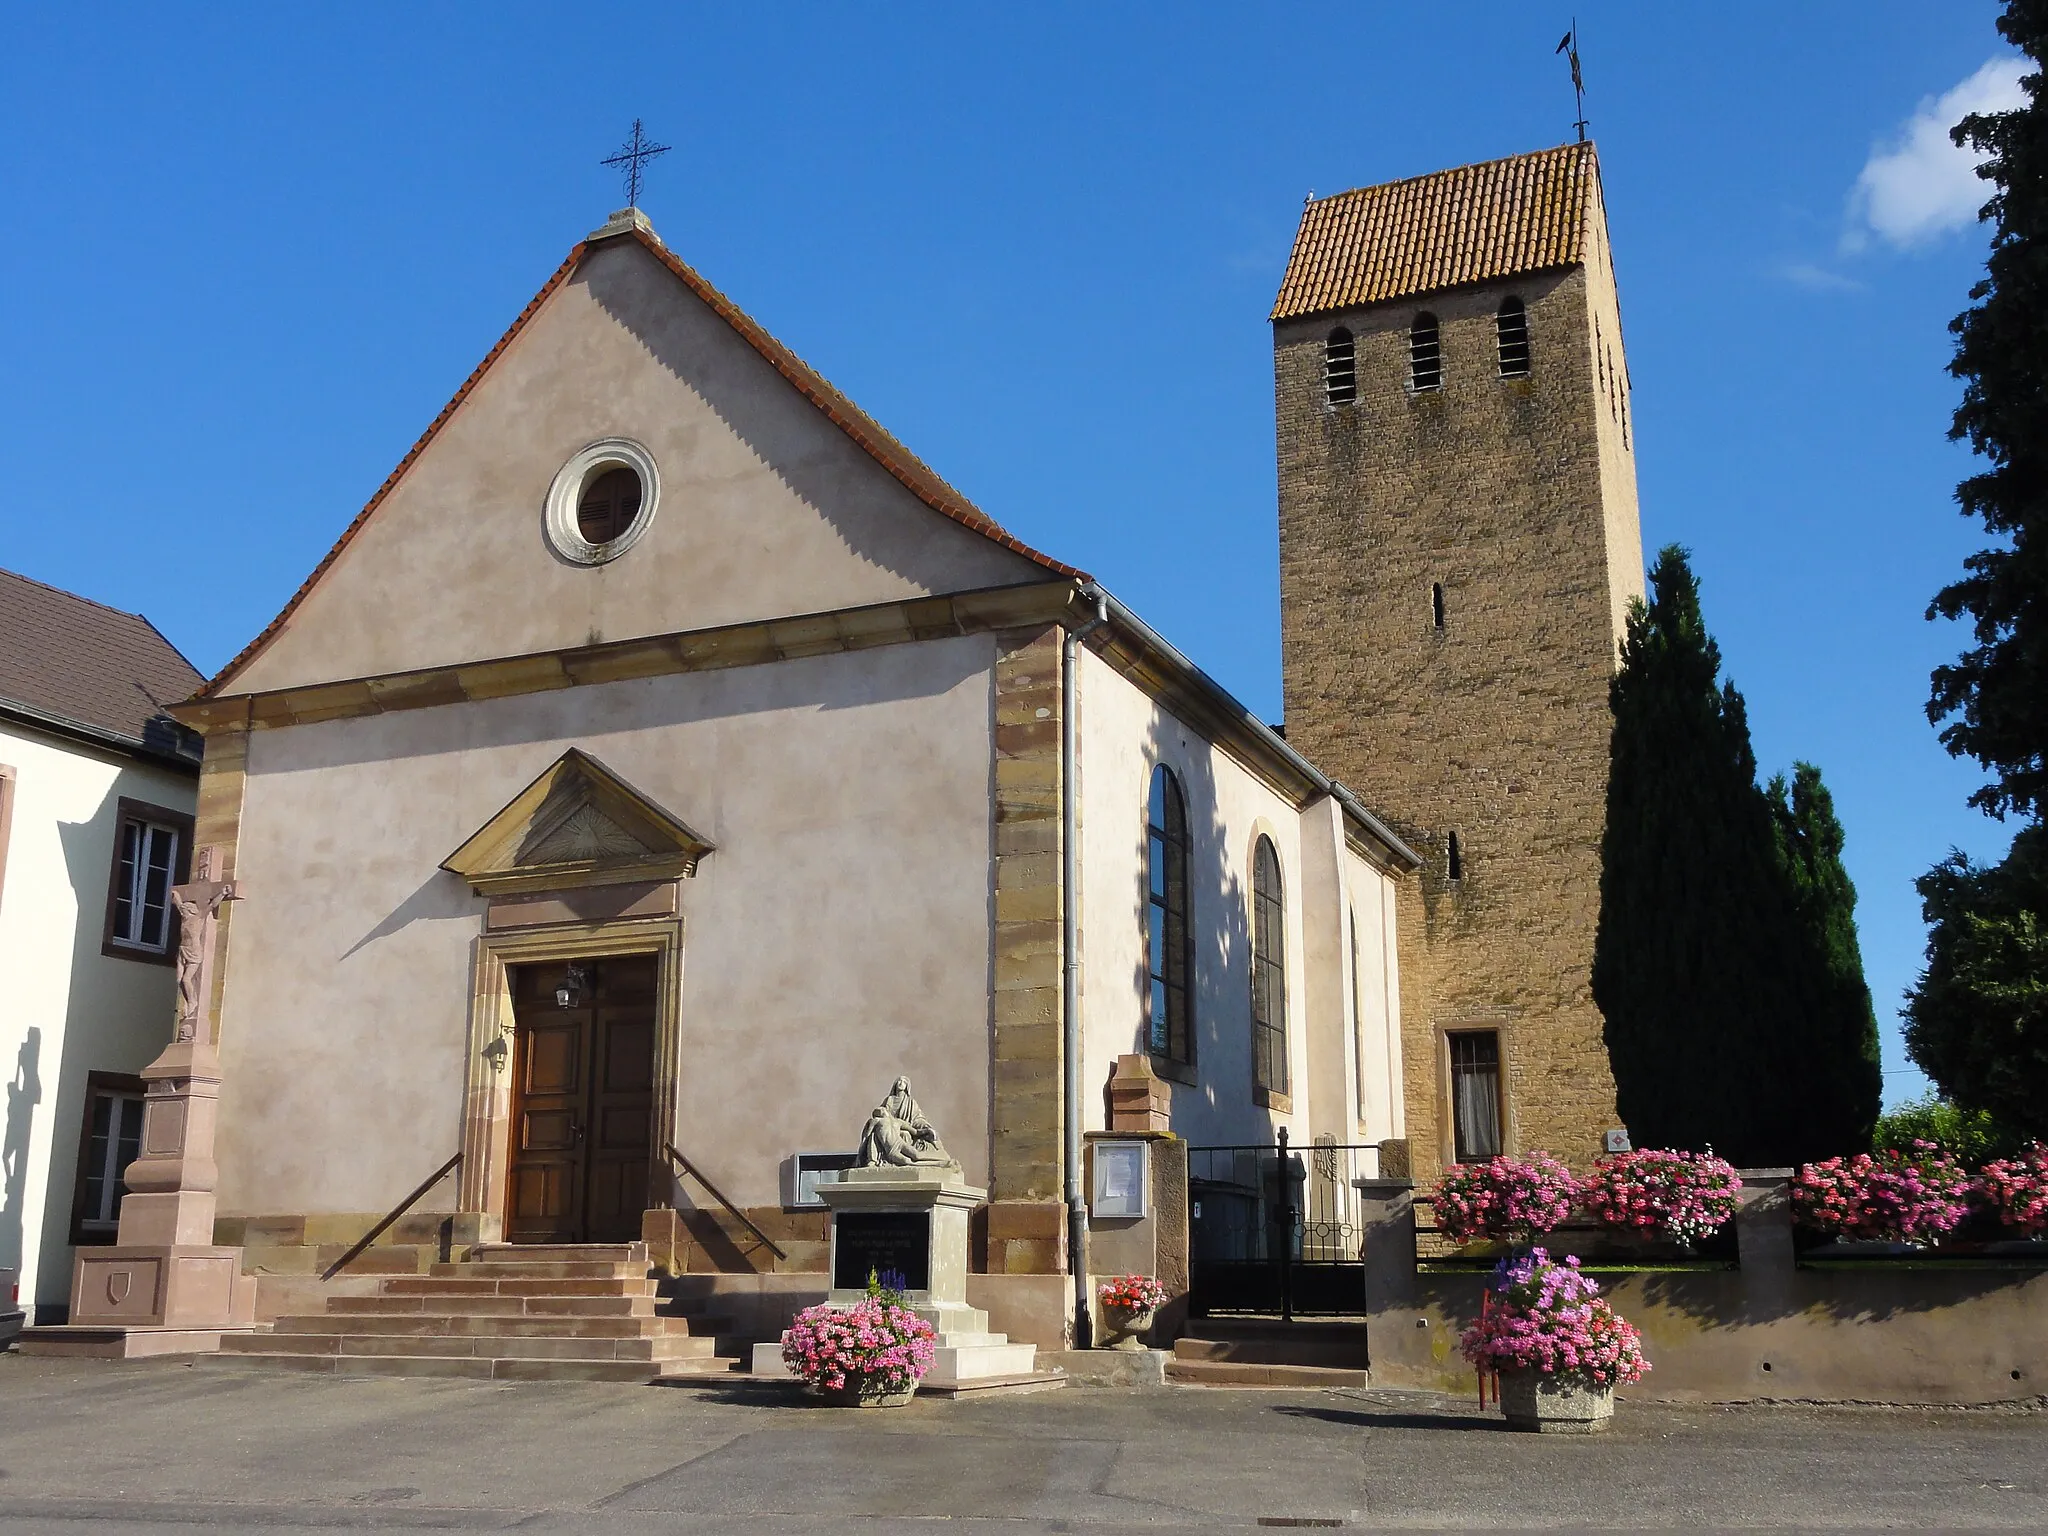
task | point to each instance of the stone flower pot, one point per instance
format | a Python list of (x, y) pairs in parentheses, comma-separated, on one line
[(1127, 1329), (866, 1392), (1554, 1405)]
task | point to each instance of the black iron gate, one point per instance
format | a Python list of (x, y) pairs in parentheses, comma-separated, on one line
[(1275, 1231)]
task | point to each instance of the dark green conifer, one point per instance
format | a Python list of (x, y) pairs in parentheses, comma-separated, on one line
[(1839, 1026), (1726, 966)]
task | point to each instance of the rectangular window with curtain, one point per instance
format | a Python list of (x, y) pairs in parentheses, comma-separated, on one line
[(1475, 1095)]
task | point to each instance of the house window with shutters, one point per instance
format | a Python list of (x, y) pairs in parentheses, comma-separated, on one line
[(152, 853), (111, 1140), (1269, 974), (1168, 941)]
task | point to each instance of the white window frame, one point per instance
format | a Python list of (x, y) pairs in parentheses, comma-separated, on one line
[(136, 878)]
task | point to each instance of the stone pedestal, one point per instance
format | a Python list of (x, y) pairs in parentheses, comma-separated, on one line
[(164, 1287), (1139, 1099), (913, 1220)]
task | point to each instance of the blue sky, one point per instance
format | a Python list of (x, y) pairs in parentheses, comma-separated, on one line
[(254, 250)]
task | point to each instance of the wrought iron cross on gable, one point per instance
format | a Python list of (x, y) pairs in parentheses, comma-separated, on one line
[(632, 155)]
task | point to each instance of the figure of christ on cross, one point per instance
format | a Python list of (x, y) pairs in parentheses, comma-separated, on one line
[(198, 902)]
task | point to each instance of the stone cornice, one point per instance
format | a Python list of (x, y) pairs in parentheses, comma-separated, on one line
[(1125, 643)]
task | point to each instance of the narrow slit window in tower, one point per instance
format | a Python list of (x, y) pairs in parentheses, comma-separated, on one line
[(1455, 864), (1425, 354), (1512, 322), (1436, 604), (1340, 367)]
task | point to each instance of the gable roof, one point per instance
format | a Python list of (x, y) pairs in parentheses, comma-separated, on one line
[(1527, 213), (83, 663), (921, 480)]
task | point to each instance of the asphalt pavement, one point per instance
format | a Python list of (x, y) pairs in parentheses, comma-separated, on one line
[(161, 1447)]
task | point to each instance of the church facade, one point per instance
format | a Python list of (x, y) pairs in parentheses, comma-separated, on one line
[(666, 759)]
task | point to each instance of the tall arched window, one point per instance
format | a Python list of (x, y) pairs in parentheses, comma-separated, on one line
[(1269, 973), (1512, 322), (1425, 354), (1340, 367), (1168, 942)]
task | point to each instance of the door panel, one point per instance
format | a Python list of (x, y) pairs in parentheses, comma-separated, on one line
[(584, 1118)]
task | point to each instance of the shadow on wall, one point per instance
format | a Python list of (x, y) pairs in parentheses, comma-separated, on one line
[(744, 390), (1218, 920), (24, 1092)]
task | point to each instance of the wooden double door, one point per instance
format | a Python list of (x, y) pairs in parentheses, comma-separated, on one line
[(583, 1135)]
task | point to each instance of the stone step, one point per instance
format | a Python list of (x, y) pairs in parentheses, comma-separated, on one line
[(443, 1346), (1269, 1341), (499, 1368), (558, 1253), (1231, 1373), (494, 1326), (538, 1269), (464, 1280), (512, 1306)]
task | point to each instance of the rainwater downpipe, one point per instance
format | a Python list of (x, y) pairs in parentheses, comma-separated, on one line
[(1070, 981)]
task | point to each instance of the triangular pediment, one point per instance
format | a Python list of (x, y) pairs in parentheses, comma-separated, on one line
[(766, 495), (578, 824)]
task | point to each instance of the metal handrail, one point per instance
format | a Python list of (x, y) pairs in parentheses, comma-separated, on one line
[(745, 1220), (395, 1212)]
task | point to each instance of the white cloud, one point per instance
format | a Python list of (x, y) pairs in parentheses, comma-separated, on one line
[(1921, 185)]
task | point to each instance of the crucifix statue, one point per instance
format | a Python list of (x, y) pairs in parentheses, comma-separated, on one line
[(198, 902)]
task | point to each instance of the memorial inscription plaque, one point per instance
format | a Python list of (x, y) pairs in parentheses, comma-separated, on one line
[(881, 1241)]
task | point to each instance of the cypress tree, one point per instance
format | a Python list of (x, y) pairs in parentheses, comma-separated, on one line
[(1837, 1026), (1726, 966)]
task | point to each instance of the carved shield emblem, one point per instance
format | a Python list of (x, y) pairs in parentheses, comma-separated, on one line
[(118, 1281)]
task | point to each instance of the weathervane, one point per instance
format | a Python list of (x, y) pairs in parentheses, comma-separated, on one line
[(1570, 47), (636, 151)]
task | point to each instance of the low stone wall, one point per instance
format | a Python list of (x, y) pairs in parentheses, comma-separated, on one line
[(1881, 1331)]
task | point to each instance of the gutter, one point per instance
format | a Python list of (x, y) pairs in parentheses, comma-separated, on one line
[(97, 735), (1070, 981)]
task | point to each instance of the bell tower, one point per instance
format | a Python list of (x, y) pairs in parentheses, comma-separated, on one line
[(1458, 548)]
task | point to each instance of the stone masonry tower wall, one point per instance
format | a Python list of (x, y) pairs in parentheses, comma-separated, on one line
[(1456, 565)]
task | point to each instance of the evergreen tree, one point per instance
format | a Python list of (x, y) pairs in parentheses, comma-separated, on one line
[(1978, 1019), (1838, 1024), (1726, 966), (1995, 696)]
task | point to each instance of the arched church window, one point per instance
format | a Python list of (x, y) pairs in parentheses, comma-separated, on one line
[(608, 506), (1425, 354), (1512, 324), (1340, 367), (1168, 940), (1269, 974)]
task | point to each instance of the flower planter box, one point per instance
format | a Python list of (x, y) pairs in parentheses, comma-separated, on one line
[(866, 1392), (1554, 1405)]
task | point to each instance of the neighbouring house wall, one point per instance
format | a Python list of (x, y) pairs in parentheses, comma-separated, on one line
[(69, 1009), (838, 935), (1122, 734)]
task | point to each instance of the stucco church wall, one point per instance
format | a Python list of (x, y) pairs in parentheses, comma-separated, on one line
[(69, 1009), (767, 508), (1122, 734), (839, 933)]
